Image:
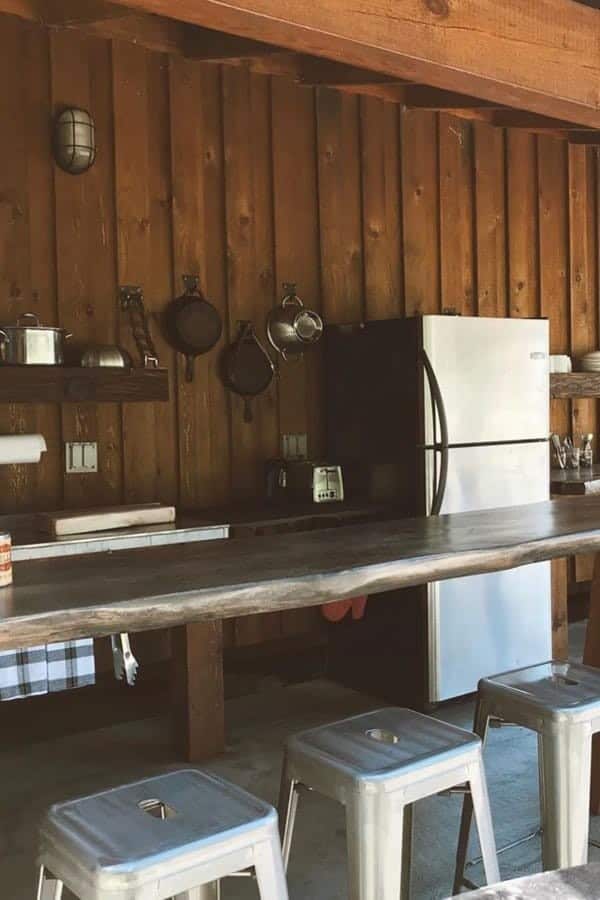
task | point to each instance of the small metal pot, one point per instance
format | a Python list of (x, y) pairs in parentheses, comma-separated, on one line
[(290, 327), (108, 355), (30, 344)]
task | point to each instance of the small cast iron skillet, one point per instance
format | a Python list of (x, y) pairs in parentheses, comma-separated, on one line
[(247, 367), (192, 324)]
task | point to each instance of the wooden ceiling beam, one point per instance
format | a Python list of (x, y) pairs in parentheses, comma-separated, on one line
[(516, 118), (77, 12), (216, 46), (591, 138), (421, 96), (542, 56), (153, 32), (318, 72), (24, 9)]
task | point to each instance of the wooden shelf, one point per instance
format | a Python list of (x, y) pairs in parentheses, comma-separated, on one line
[(575, 384), (58, 384)]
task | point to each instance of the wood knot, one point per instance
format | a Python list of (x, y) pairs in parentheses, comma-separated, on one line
[(439, 8)]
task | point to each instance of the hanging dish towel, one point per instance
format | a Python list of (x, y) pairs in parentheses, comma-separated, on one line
[(335, 611), (46, 669)]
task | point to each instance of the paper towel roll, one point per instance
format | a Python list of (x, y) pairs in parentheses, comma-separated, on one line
[(21, 448)]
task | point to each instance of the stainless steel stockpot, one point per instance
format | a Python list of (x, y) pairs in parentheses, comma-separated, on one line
[(30, 344)]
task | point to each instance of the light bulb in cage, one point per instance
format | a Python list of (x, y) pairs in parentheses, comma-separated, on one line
[(74, 140)]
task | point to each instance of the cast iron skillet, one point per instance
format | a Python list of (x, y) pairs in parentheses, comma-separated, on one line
[(247, 367), (192, 324)]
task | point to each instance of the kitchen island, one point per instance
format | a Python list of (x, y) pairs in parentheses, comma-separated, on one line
[(199, 584)]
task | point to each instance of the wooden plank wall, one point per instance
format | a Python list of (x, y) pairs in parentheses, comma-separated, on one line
[(252, 181)]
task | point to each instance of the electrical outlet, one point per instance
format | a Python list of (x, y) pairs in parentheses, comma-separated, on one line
[(81, 458), (294, 446)]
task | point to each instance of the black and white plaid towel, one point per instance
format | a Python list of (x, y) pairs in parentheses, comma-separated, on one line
[(45, 669)]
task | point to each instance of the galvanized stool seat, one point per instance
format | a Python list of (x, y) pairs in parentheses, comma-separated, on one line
[(561, 702), (377, 765), (579, 883), (160, 838)]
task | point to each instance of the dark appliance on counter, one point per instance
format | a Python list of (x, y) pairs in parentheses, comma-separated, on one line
[(276, 480), (443, 414)]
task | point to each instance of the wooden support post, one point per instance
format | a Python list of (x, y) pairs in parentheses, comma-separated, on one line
[(197, 681), (591, 657), (560, 616)]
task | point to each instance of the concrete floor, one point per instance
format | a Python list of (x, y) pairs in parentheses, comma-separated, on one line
[(35, 776)]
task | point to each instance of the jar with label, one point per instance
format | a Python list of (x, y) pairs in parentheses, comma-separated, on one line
[(5, 560)]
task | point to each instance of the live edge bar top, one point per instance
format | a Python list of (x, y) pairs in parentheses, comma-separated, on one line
[(136, 590)]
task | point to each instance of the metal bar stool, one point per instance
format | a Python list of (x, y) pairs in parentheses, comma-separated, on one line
[(582, 882), (561, 702), (174, 835), (377, 765)]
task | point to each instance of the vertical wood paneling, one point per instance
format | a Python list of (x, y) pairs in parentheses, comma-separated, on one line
[(250, 271), (149, 436), (17, 482), (48, 475), (522, 224), (295, 204), (342, 274), (583, 292), (382, 205), (199, 248), (421, 212), (553, 205), (250, 285), (296, 237), (490, 220), (81, 76), (456, 215)]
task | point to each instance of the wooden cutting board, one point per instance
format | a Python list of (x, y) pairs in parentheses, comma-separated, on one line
[(104, 518)]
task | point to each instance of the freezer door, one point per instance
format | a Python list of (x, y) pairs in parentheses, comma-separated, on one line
[(484, 624), (493, 375)]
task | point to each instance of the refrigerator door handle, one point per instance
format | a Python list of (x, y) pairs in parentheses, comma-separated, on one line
[(442, 447)]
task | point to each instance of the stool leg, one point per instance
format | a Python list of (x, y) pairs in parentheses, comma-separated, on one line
[(48, 888), (211, 891), (270, 875), (565, 769), (480, 727), (483, 819), (407, 847), (288, 806), (374, 831)]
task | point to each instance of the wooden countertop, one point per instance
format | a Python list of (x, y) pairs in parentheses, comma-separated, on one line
[(136, 590)]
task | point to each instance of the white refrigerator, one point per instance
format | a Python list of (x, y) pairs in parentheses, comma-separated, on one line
[(485, 441)]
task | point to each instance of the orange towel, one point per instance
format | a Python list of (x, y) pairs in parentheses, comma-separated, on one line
[(337, 609)]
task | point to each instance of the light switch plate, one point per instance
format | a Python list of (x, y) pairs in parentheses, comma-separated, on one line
[(81, 458), (294, 446)]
